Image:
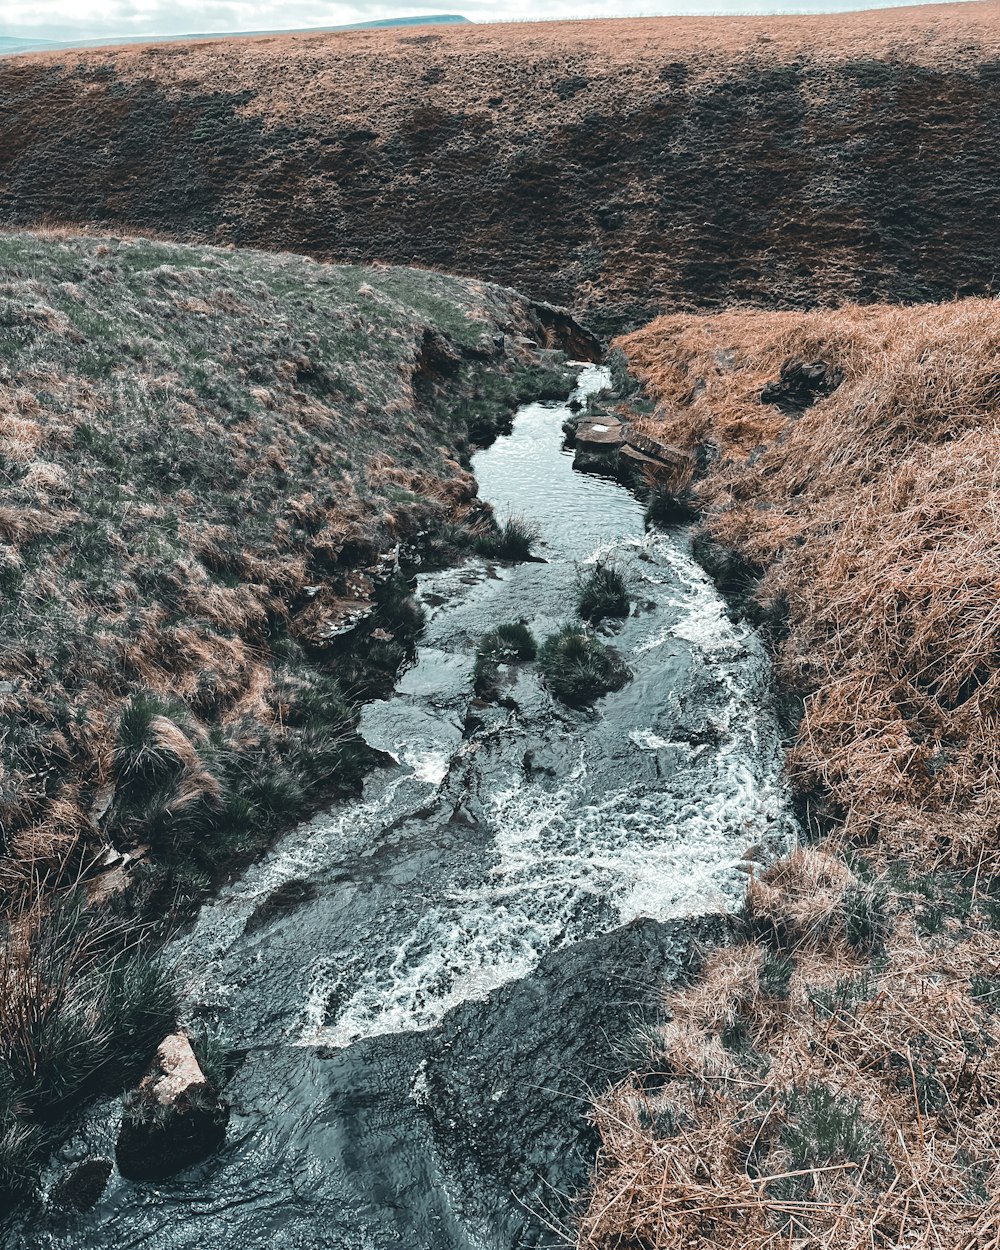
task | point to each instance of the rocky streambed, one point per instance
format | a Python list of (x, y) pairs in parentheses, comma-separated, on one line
[(424, 986)]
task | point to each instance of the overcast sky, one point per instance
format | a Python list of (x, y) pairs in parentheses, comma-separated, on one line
[(81, 19)]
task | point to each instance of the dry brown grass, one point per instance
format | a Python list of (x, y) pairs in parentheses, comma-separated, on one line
[(290, 72), (873, 518), (831, 1082), (805, 1094)]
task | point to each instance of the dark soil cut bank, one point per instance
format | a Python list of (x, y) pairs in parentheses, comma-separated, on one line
[(620, 167)]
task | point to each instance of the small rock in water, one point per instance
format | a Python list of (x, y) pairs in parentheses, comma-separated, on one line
[(81, 1187), (175, 1117), (280, 902)]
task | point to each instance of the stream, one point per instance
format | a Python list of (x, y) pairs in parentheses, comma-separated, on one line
[(476, 941)]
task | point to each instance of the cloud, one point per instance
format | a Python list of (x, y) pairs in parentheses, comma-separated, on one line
[(81, 19)]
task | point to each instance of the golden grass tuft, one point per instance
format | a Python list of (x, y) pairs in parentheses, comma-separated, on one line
[(873, 519), (832, 1081)]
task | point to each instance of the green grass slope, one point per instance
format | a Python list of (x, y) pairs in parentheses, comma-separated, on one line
[(206, 458), (216, 469)]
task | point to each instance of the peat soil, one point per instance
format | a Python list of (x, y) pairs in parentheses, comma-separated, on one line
[(618, 167)]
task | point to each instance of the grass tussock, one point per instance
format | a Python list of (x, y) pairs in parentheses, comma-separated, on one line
[(578, 668), (509, 643), (811, 1091), (513, 538), (603, 592), (83, 1001)]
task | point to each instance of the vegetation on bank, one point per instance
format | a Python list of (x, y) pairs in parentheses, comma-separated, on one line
[(217, 470), (831, 1079), (84, 1000)]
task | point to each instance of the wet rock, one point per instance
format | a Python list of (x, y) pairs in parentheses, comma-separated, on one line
[(597, 444), (800, 384), (475, 716), (550, 759), (175, 1117), (81, 1187), (606, 445), (280, 902), (632, 463)]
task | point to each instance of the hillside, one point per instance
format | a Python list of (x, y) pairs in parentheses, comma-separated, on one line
[(621, 167), (204, 550), (839, 1064), (11, 45)]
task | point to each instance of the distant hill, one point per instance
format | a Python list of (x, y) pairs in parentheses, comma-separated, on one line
[(621, 166), (11, 46)]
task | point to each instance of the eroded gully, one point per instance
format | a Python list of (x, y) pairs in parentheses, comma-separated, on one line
[(475, 941)]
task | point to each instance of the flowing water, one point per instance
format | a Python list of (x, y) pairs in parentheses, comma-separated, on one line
[(477, 938)]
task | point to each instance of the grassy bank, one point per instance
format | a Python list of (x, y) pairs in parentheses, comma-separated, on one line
[(831, 1079), (618, 166), (218, 470)]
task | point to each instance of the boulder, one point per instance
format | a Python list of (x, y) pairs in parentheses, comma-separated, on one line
[(604, 444), (175, 1117), (597, 442)]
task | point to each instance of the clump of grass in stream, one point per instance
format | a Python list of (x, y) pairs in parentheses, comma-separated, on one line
[(214, 1054), (578, 668), (506, 644), (512, 539), (668, 506), (604, 592)]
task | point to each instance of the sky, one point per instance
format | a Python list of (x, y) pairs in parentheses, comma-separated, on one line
[(97, 19)]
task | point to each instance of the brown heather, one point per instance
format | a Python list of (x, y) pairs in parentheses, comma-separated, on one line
[(620, 167), (831, 1080)]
